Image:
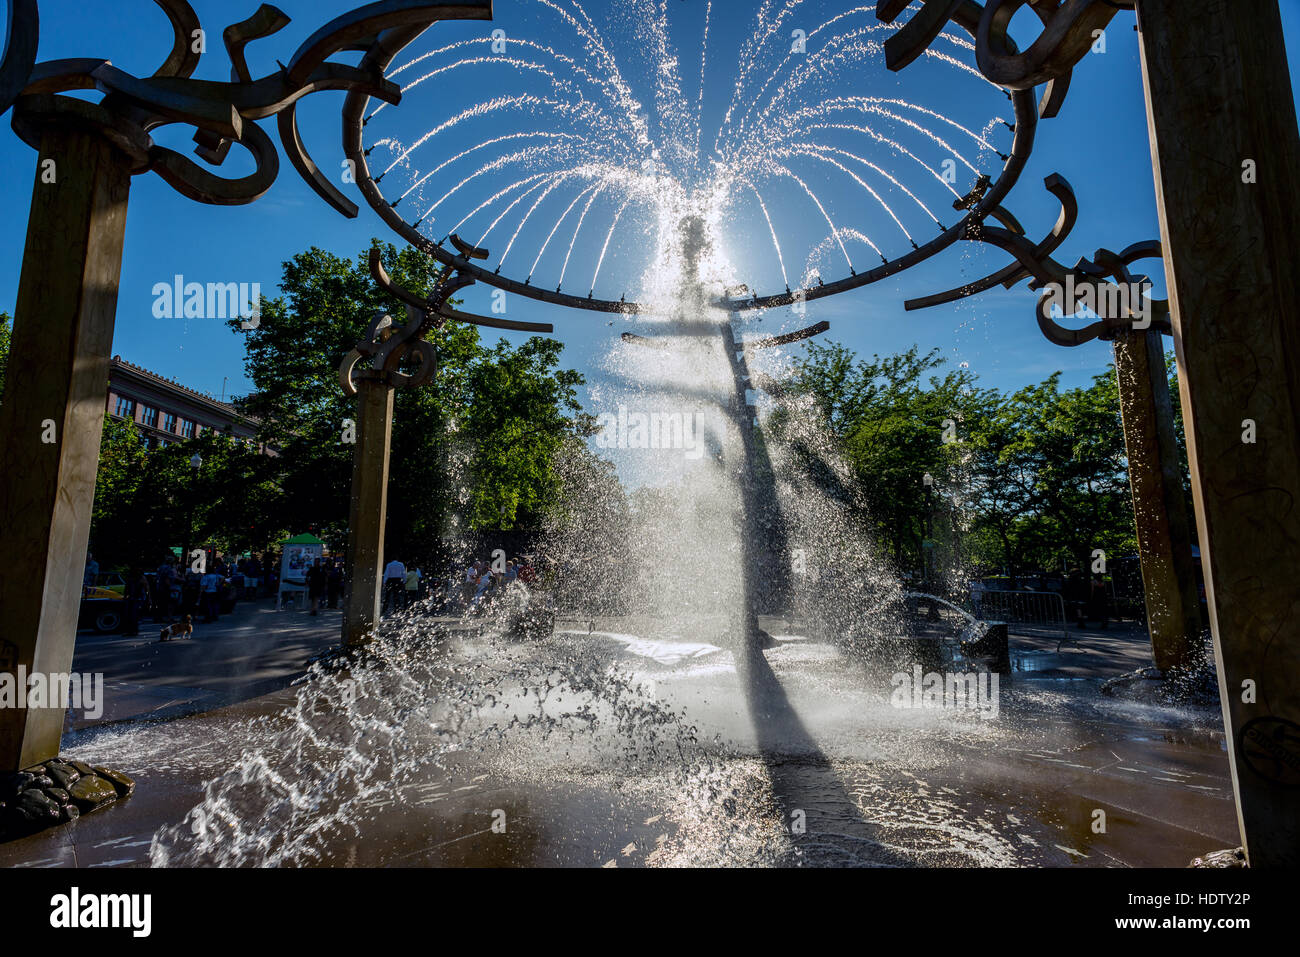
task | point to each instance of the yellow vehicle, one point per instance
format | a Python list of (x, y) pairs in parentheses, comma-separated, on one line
[(103, 605)]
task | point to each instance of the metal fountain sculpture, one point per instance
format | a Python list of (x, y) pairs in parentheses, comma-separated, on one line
[(734, 303), (1224, 146), (63, 327)]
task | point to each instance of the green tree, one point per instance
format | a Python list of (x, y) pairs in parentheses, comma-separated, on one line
[(896, 421), (148, 501), (1032, 480), (471, 450)]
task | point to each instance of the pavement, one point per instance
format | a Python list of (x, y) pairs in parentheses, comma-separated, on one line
[(803, 730), (1120, 648), (253, 651)]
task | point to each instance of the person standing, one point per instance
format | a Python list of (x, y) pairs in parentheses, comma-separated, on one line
[(1098, 601), (91, 575), (209, 588), (977, 596), (412, 586), (136, 595), (394, 583), (317, 581), (469, 585)]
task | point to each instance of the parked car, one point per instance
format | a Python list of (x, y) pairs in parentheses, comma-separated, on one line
[(102, 604)]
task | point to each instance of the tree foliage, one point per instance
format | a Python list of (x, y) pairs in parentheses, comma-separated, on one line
[(474, 449), (1034, 479)]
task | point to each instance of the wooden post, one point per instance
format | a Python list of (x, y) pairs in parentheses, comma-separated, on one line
[(369, 508), (52, 415), (1226, 150), (1163, 527)]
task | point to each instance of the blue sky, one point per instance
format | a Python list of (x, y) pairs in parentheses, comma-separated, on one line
[(1099, 143)]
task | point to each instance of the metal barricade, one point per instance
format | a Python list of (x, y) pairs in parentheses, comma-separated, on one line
[(1032, 613)]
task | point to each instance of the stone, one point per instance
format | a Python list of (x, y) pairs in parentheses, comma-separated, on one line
[(70, 812), (84, 769), (93, 792), (1229, 857), (59, 796), (13, 784), (36, 808), (123, 784), (63, 775), (42, 781)]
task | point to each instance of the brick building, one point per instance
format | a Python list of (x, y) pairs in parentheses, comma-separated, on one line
[(166, 411)]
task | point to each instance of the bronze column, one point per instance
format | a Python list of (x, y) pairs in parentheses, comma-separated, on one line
[(1159, 509), (1226, 150), (369, 507), (53, 413)]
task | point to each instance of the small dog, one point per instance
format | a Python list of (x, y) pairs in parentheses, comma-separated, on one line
[(182, 629)]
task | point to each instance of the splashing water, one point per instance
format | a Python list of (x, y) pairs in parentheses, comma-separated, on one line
[(586, 138)]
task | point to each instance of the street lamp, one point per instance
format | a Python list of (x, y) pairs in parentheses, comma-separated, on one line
[(196, 460)]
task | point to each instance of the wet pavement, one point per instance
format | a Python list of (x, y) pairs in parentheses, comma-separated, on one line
[(250, 652), (792, 757)]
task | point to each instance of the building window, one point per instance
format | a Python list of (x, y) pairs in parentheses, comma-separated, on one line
[(169, 423), (125, 407), (149, 417), (187, 428)]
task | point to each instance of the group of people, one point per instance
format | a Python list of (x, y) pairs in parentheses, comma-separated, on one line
[(481, 580), (174, 590), (402, 586), (459, 591)]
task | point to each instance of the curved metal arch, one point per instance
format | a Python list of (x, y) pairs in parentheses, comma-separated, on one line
[(19, 55), (380, 57)]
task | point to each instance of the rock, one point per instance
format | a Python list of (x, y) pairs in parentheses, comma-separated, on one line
[(59, 796), (63, 775), (11, 785), (123, 784), (36, 808), (70, 812), (42, 781), (84, 769), (1230, 857), (93, 792)]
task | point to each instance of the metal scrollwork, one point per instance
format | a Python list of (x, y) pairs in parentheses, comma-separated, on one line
[(221, 113), (1104, 283), (1070, 28), (386, 345)]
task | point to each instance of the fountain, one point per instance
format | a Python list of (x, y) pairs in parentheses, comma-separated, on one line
[(707, 735)]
